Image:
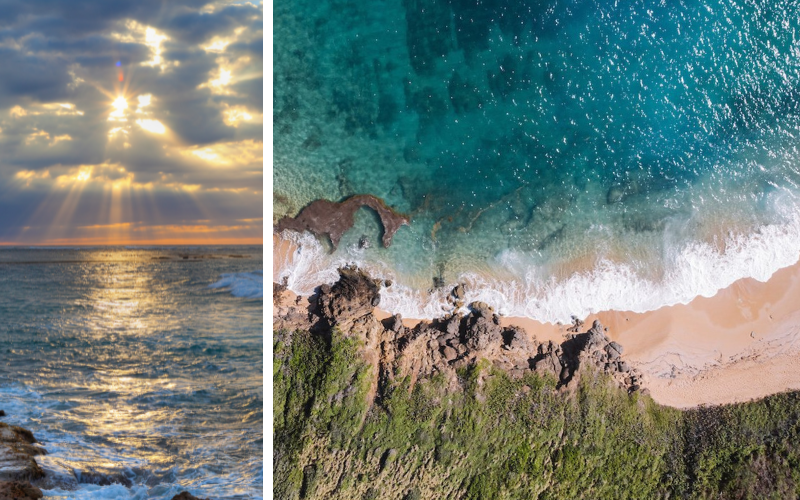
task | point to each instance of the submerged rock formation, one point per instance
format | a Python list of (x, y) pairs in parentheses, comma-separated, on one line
[(323, 217)]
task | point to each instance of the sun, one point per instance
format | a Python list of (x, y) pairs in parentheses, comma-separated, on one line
[(120, 103)]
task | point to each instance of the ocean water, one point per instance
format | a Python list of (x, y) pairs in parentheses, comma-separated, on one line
[(559, 157), (138, 363)]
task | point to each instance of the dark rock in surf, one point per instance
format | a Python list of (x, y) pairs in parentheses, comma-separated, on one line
[(19, 490), (324, 217)]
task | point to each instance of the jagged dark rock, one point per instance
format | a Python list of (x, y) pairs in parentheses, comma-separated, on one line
[(17, 449), (104, 478), (395, 324), (455, 341), (185, 495), (19, 490), (352, 297), (324, 217)]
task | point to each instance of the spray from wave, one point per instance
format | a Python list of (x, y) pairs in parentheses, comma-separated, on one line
[(246, 285), (691, 269)]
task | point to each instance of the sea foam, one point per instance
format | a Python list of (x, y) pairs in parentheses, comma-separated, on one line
[(247, 285), (691, 269)]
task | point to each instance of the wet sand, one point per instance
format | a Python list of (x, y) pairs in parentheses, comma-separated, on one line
[(743, 343)]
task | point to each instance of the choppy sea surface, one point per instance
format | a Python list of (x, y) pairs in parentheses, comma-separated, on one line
[(137, 364), (559, 157)]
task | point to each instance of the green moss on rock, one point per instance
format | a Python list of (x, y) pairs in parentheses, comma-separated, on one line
[(498, 437)]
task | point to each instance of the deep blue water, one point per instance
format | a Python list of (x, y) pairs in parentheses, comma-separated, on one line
[(546, 149), (127, 361)]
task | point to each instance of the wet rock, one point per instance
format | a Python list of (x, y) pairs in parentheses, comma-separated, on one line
[(459, 292), (323, 217), (363, 242), (17, 449), (481, 309), (19, 490), (576, 325), (55, 475), (387, 283), (103, 478), (185, 495), (2, 413)]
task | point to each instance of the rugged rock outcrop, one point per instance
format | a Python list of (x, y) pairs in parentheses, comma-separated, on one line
[(348, 300), (185, 495), (17, 465), (17, 449), (324, 217), (446, 344), (22, 475), (19, 490)]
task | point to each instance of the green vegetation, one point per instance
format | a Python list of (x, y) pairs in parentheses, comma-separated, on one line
[(479, 434)]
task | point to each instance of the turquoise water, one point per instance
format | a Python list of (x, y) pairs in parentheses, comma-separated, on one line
[(559, 156), (137, 364)]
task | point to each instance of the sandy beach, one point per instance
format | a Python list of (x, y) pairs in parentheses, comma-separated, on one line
[(740, 344)]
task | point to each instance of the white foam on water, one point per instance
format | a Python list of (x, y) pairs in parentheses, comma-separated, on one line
[(247, 285), (691, 269), (95, 492)]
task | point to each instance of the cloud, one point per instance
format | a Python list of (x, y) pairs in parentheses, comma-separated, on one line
[(154, 106)]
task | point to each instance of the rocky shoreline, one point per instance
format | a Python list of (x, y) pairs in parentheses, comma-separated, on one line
[(25, 470), (467, 407), (450, 343)]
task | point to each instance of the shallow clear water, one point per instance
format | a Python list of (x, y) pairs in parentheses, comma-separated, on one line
[(128, 361), (550, 149)]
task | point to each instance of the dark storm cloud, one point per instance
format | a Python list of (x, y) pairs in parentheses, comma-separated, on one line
[(31, 77), (58, 82)]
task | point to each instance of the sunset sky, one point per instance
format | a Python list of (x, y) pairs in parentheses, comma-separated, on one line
[(125, 122)]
